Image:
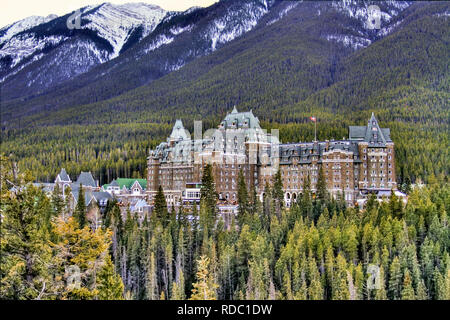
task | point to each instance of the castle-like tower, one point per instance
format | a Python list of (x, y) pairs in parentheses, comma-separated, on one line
[(361, 164)]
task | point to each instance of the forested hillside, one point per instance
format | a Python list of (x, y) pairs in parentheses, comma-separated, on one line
[(319, 249), (285, 70)]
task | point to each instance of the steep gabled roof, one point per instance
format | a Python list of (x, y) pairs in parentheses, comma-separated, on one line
[(63, 176), (179, 132), (237, 119), (86, 179), (372, 133), (88, 196), (101, 196)]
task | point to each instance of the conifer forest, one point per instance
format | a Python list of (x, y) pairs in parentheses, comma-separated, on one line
[(318, 249)]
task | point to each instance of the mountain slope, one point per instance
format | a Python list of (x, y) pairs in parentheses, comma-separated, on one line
[(285, 69), (179, 38), (12, 29), (182, 37), (44, 55)]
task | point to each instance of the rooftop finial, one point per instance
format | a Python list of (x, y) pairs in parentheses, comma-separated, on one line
[(234, 110)]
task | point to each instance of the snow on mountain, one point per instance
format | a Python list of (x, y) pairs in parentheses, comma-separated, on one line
[(25, 45), (235, 23), (12, 29), (208, 34), (284, 12), (158, 42), (46, 74), (37, 56), (350, 41), (114, 22), (359, 11)]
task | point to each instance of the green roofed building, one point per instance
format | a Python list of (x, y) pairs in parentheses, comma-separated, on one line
[(127, 190), (361, 164)]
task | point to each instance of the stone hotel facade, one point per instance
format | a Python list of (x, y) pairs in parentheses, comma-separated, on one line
[(364, 163)]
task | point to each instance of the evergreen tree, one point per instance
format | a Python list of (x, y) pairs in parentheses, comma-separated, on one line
[(208, 197), (161, 206), (277, 193), (57, 201), (25, 252), (242, 198), (110, 285), (321, 187), (204, 288), (80, 209), (395, 279), (408, 290), (306, 199), (86, 251), (152, 279)]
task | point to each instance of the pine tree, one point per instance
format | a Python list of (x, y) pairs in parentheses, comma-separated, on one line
[(25, 253), (395, 279), (208, 189), (152, 279), (381, 291), (110, 285), (178, 288), (306, 199), (161, 206), (277, 193), (208, 198), (85, 250), (204, 288), (446, 285), (80, 209), (242, 198), (321, 187), (57, 201), (408, 290)]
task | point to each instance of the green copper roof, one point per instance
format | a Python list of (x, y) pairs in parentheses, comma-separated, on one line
[(127, 183)]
